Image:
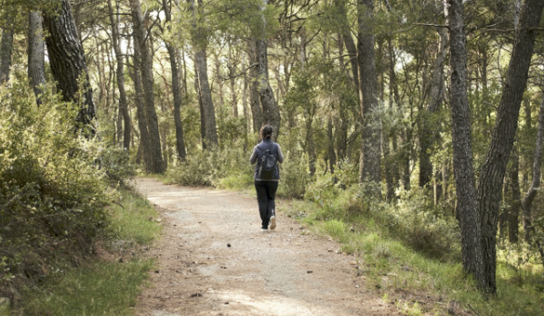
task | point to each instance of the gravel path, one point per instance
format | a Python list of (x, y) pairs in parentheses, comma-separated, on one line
[(213, 260)]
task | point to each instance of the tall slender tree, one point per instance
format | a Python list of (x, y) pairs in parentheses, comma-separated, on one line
[(467, 207), (503, 135), (146, 68), (207, 113), (6, 46), (370, 169), (174, 54), (36, 50), (271, 111), (120, 73), (428, 132)]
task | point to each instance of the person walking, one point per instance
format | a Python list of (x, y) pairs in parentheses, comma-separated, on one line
[(266, 154)]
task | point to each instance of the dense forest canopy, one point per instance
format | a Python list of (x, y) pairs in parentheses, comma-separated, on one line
[(439, 101)]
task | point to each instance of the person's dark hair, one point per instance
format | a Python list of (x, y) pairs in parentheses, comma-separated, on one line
[(266, 131)]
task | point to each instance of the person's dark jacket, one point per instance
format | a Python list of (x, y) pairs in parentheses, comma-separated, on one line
[(257, 157)]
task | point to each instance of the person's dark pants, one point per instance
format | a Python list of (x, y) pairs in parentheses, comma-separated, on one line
[(266, 192)]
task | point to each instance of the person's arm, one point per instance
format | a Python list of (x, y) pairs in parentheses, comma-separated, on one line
[(253, 158), (280, 154)]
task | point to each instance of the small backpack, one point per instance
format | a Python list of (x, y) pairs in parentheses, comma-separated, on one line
[(268, 166)]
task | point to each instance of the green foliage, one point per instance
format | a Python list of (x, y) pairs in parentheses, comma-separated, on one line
[(53, 185), (294, 176), (207, 168), (116, 162)]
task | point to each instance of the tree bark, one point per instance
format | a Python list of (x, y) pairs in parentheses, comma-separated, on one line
[(271, 111), (502, 138), (535, 185), (370, 166), (428, 132), (394, 99), (200, 106), (513, 214), (345, 31), (145, 141), (256, 109), (6, 46), (330, 138), (232, 81), (67, 61), (36, 51), (467, 207), (146, 68), (123, 102), (176, 87), (207, 108)]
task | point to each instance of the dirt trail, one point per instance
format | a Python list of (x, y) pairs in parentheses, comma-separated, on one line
[(280, 272)]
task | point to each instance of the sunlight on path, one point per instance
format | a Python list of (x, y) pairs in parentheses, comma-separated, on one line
[(213, 260)]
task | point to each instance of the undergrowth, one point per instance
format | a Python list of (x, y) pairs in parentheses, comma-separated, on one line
[(56, 184), (410, 254), (107, 286)]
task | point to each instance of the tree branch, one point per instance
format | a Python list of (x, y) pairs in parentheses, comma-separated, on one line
[(433, 25), (241, 73)]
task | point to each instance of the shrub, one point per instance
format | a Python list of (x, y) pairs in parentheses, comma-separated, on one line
[(209, 167), (294, 177), (53, 191), (116, 163), (420, 224)]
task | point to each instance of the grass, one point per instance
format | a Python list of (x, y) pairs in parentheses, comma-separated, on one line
[(416, 283), (131, 222), (100, 287)]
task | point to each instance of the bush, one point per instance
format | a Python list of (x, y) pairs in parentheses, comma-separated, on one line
[(412, 217), (210, 167), (53, 191), (294, 177), (116, 162)]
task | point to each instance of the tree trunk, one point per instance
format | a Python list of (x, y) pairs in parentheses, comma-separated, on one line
[(67, 61), (370, 166), (207, 107), (502, 138), (428, 128), (513, 214), (36, 51), (202, 119), (176, 87), (145, 141), (256, 108), (271, 111), (389, 181), (310, 144), (394, 100), (6, 46), (146, 68), (330, 138), (467, 207), (535, 185), (123, 103), (348, 40), (232, 81)]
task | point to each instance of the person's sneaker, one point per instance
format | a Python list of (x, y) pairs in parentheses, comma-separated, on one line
[(273, 222), (264, 229)]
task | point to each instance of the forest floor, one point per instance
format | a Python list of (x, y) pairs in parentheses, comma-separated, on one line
[(212, 259)]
